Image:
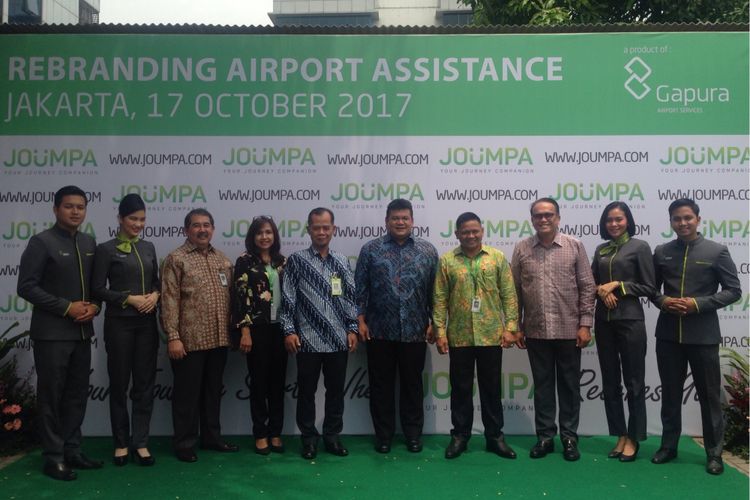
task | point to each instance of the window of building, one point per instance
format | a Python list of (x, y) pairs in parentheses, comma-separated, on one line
[(353, 19), (86, 13), (24, 11), (456, 18)]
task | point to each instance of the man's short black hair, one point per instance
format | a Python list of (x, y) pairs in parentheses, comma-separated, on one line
[(69, 191), (684, 202), (399, 204), (198, 211), (544, 200), (318, 211), (466, 217)]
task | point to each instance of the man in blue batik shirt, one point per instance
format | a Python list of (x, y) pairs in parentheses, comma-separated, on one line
[(319, 320), (395, 275)]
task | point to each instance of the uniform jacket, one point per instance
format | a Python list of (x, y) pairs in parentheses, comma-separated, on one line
[(55, 271), (695, 269), (632, 265), (134, 273)]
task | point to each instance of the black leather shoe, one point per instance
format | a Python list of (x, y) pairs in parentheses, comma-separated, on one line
[(614, 454), (59, 471), (455, 447), (82, 462), (499, 447), (309, 451), (663, 455), (143, 461), (186, 455), (414, 445), (715, 465), (630, 458), (221, 446), (120, 461), (542, 448), (382, 446), (336, 448), (263, 451), (570, 450)]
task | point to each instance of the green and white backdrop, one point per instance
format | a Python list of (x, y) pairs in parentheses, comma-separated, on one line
[(277, 124)]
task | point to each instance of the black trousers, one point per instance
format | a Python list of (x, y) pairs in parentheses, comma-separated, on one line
[(555, 364), (196, 397), (132, 344), (489, 362), (62, 370), (385, 358), (266, 366), (672, 359), (309, 366), (622, 357)]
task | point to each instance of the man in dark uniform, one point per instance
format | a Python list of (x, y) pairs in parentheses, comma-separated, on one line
[(691, 268), (54, 277)]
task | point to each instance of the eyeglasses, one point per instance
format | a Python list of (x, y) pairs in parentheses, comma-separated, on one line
[(544, 216)]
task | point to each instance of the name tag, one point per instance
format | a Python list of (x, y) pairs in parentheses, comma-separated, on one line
[(476, 304), (335, 286), (223, 279)]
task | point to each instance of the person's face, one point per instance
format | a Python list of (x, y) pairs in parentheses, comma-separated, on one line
[(545, 219), (399, 224), (321, 230), (71, 212), (685, 223), (264, 237), (470, 235), (132, 224), (199, 231), (616, 223)]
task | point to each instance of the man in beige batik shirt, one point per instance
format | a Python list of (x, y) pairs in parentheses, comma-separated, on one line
[(195, 316)]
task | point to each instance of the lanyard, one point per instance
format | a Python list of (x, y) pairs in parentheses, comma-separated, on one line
[(472, 265)]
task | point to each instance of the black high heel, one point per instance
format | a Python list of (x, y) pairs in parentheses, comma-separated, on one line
[(631, 458), (146, 461)]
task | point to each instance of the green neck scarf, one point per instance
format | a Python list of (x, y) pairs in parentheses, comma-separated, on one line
[(125, 245), (615, 244)]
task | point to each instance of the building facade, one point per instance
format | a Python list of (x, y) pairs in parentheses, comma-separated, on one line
[(370, 13), (49, 11)]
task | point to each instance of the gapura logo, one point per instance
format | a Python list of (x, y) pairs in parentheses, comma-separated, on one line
[(636, 83)]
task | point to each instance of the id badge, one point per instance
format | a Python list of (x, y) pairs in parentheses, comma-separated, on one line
[(223, 279), (335, 286), (476, 304)]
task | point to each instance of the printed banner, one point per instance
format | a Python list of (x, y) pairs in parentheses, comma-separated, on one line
[(246, 125)]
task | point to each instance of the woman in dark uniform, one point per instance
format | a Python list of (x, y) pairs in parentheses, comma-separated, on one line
[(126, 277), (624, 271), (256, 298)]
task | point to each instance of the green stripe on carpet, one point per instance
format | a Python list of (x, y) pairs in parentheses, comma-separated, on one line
[(365, 474)]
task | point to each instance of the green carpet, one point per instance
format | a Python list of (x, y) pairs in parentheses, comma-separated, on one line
[(365, 474)]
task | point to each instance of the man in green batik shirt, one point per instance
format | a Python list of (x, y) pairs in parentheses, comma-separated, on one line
[(475, 316)]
